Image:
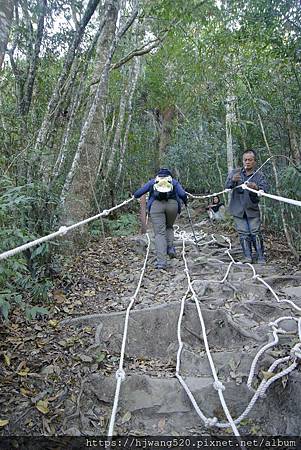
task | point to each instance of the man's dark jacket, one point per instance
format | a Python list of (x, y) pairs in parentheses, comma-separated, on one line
[(243, 201)]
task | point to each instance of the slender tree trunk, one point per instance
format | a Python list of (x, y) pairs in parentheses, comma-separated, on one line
[(164, 124), (75, 105), (293, 141), (107, 142), (230, 118), (135, 76), (78, 190), (117, 137), (67, 134), (33, 61), (57, 96), (6, 17)]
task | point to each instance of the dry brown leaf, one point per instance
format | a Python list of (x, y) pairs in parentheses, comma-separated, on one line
[(267, 375), (89, 293), (4, 422), (42, 406), (126, 417), (58, 296), (161, 424), (25, 392), (53, 323), (6, 359), (24, 372)]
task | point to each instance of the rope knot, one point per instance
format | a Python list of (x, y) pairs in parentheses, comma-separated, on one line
[(120, 373), (218, 385), (105, 213), (260, 192), (63, 229), (256, 276), (210, 422), (243, 186)]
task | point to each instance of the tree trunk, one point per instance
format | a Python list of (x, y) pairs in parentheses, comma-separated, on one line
[(57, 97), (117, 137), (293, 141), (164, 123), (6, 17), (230, 118), (33, 57), (78, 190), (135, 76)]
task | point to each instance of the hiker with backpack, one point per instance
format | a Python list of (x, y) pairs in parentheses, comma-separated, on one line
[(164, 204)]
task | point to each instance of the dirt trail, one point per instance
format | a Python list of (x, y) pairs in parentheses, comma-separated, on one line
[(69, 361)]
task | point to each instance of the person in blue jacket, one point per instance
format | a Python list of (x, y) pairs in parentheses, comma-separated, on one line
[(164, 204)]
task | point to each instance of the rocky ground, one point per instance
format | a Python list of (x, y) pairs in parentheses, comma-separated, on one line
[(58, 374)]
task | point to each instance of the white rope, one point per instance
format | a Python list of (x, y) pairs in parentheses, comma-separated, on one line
[(209, 195), (120, 374), (264, 385), (181, 380), (260, 193), (62, 230), (217, 384), (275, 332), (290, 302)]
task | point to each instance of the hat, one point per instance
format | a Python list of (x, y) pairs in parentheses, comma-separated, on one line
[(163, 172)]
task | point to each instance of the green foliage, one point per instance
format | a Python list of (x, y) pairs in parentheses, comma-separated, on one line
[(25, 275), (125, 225)]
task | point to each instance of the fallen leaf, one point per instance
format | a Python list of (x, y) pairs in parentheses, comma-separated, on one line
[(53, 323), (86, 358), (89, 293), (267, 375), (6, 359), (3, 422), (42, 406), (284, 381), (100, 357), (24, 372), (25, 392), (58, 296), (161, 425), (127, 416)]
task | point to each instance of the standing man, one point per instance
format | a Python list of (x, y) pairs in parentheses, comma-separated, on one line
[(244, 205)]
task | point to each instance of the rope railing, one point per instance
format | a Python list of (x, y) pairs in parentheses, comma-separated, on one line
[(120, 374), (61, 231), (279, 198), (209, 195)]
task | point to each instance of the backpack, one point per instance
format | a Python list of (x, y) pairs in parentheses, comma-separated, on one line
[(163, 188)]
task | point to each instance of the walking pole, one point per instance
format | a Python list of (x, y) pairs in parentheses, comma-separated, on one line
[(192, 228)]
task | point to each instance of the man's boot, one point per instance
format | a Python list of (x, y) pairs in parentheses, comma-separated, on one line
[(258, 244), (245, 243)]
